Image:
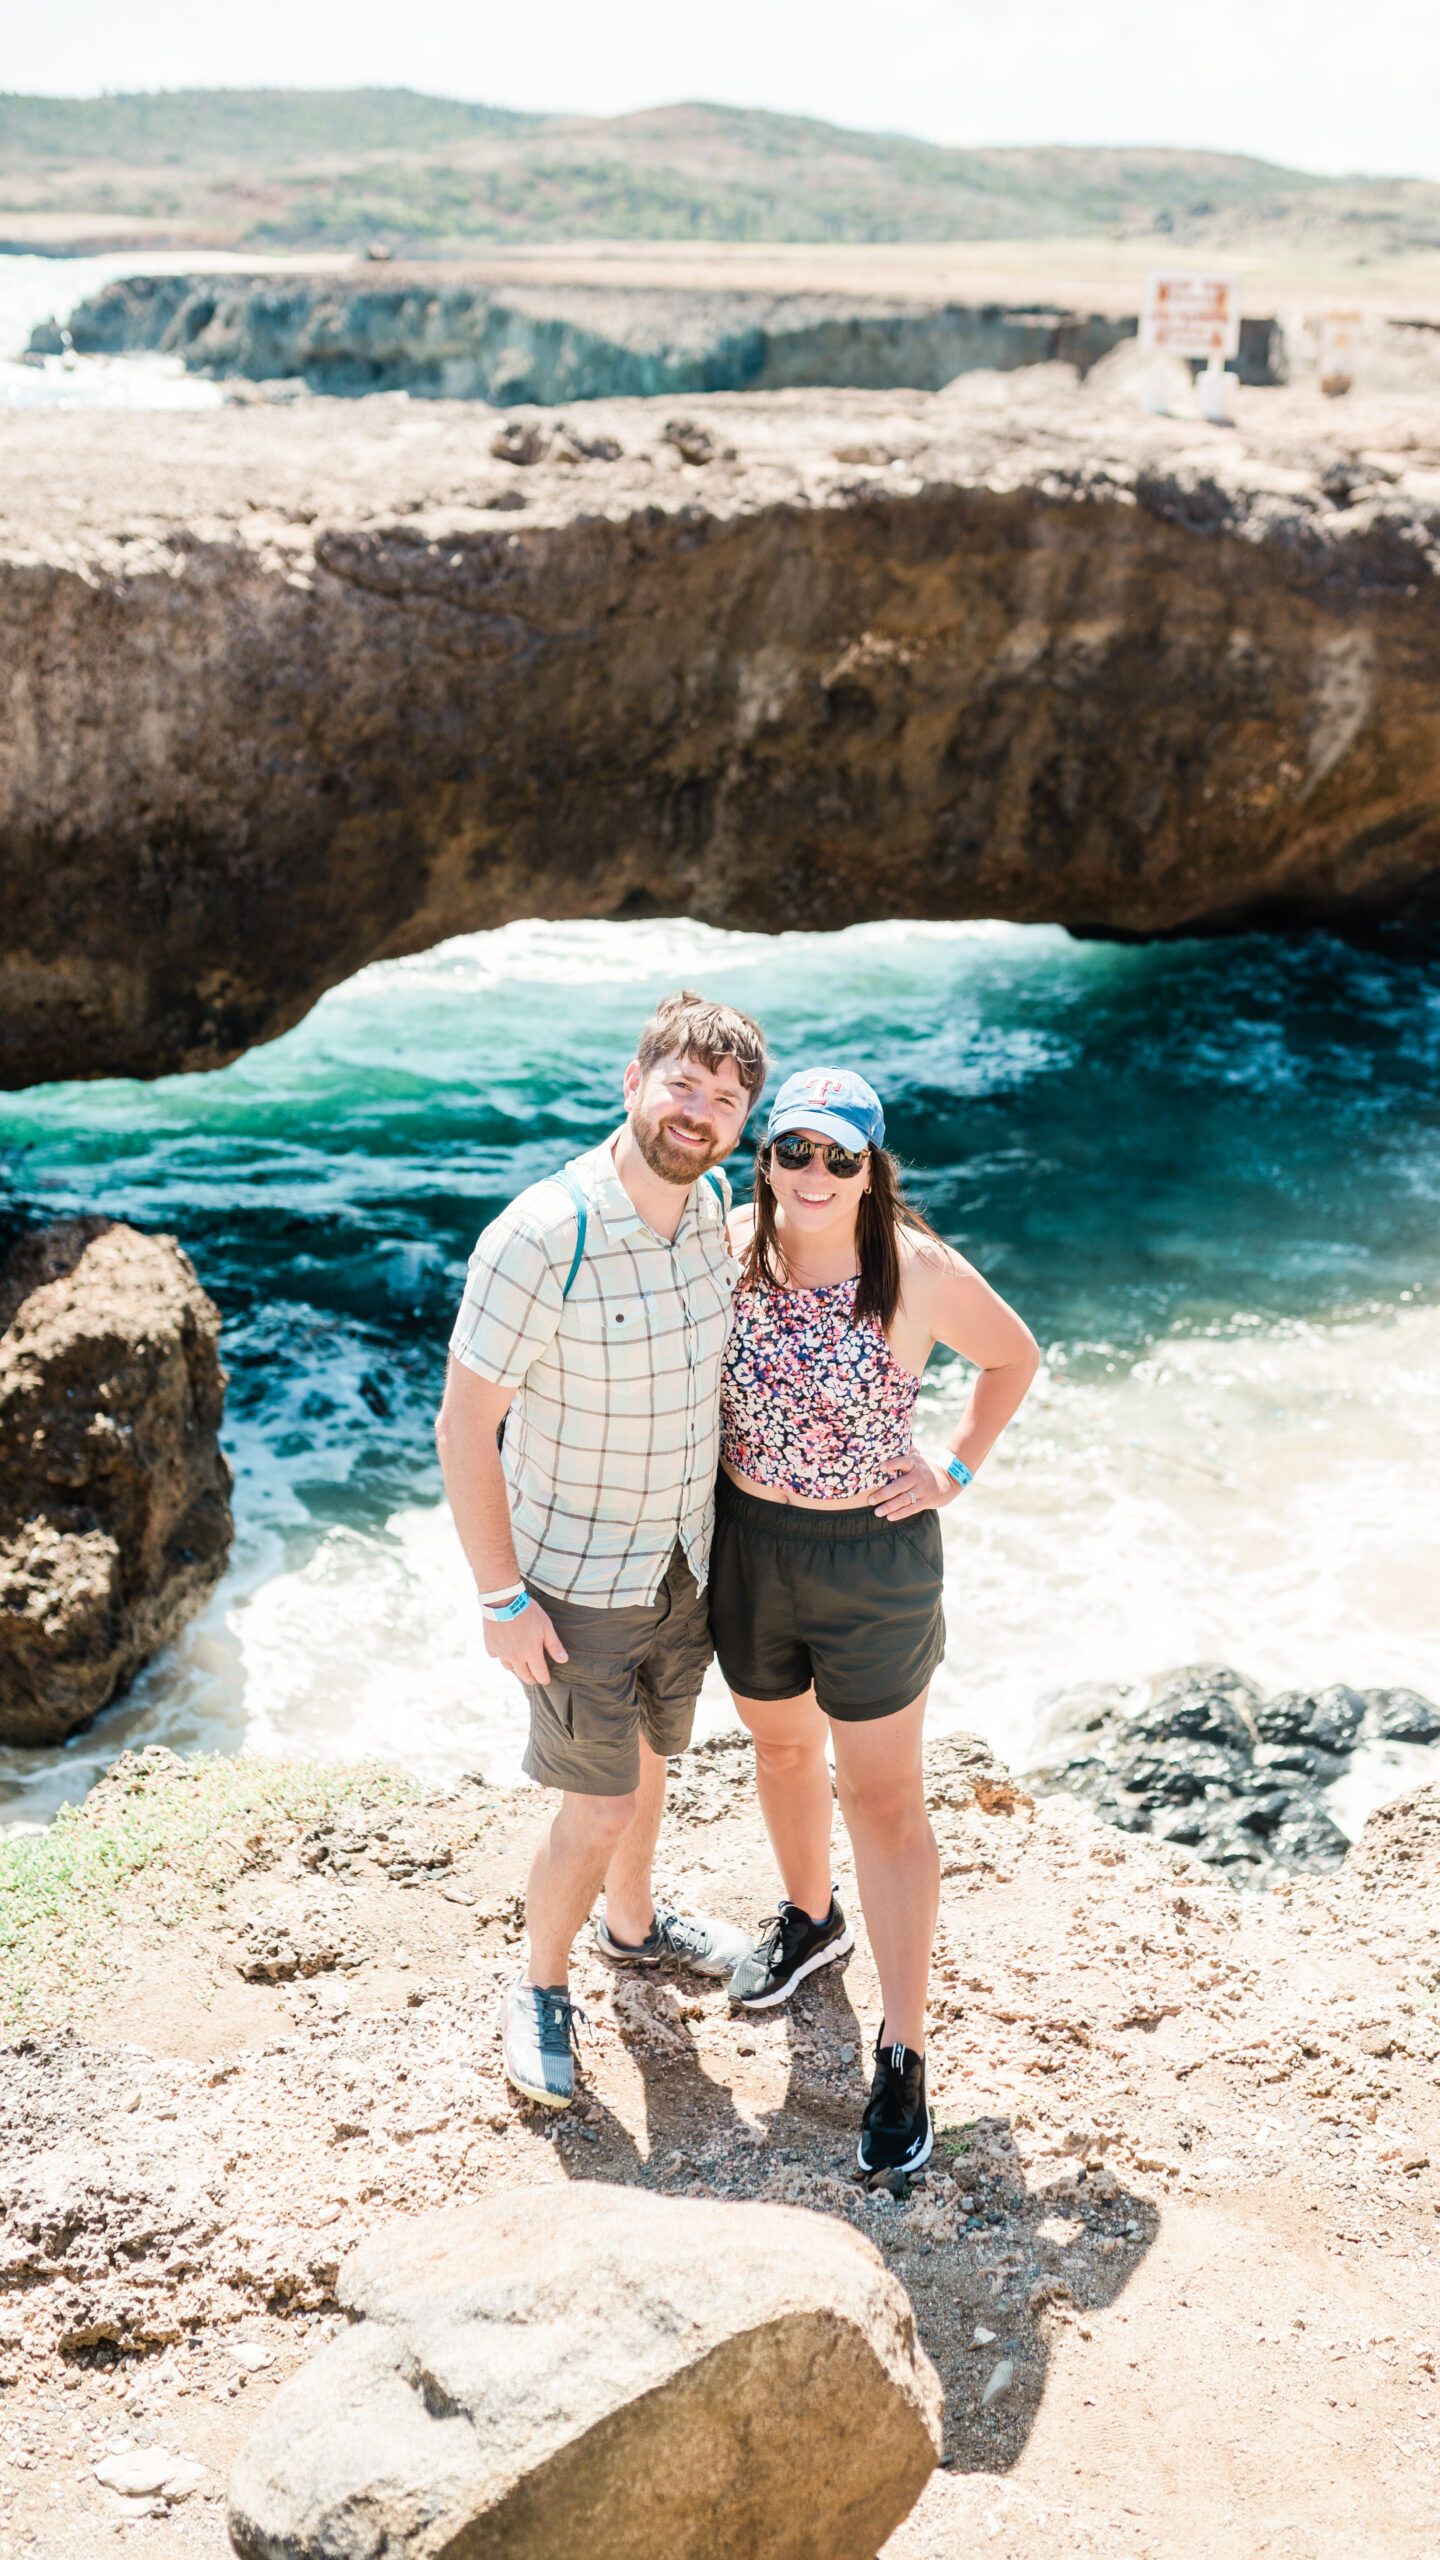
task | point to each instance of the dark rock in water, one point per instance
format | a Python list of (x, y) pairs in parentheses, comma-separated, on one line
[(1306, 1837), (114, 1496), (1400, 1715), (1329, 1721), (1213, 1765), (1175, 1772), (1205, 1701)]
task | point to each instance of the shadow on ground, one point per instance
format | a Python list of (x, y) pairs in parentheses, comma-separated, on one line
[(987, 2284)]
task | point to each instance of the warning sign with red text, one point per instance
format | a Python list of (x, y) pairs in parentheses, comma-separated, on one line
[(1191, 315)]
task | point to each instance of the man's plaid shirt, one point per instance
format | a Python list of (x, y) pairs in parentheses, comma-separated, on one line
[(612, 1442)]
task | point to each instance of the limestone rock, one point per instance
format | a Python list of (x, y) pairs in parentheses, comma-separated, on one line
[(114, 1496), (1400, 1844), (592, 2369), (294, 702), (137, 2474), (460, 336), (278, 1945)]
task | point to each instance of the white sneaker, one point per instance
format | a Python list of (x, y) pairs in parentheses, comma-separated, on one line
[(538, 2042), (703, 1946)]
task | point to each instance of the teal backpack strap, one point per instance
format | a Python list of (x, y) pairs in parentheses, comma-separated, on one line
[(582, 1221)]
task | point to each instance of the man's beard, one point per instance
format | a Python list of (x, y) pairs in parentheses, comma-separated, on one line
[(673, 1164)]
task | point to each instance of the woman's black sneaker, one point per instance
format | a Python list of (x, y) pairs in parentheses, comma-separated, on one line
[(791, 1947), (896, 2132)]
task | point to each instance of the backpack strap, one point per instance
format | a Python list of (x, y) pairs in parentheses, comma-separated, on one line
[(582, 1221)]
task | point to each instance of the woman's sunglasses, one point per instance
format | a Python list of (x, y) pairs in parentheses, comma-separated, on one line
[(795, 1153)]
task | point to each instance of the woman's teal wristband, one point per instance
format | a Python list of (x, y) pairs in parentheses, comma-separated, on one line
[(961, 1473), (512, 1608)]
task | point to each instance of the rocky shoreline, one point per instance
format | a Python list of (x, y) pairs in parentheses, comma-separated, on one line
[(1166, 2109), (459, 336), (456, 337), (294, 689), (1211, 1763)]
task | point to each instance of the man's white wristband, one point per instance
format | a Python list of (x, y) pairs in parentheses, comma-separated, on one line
[(512, 1607), (497, 1599)]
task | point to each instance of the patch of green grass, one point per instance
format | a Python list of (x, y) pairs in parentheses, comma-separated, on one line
[(158, 1841)]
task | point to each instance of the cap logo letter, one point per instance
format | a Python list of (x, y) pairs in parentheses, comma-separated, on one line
[(820, 1088)]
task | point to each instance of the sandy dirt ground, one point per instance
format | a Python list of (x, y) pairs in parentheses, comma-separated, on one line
[(1182, 2187), (104, 486), (1099, 274)]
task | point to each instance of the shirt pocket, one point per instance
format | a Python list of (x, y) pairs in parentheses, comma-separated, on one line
[(615, 1337)]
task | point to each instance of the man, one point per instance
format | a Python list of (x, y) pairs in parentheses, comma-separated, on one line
[(592, 1329)]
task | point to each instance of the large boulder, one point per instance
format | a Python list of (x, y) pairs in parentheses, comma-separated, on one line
[(599, 2371), (114, 1496)]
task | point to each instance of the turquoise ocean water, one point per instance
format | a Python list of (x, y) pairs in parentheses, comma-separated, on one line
[(1207, 1173)]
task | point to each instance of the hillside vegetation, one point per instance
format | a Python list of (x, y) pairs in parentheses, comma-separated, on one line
[(279, 169)]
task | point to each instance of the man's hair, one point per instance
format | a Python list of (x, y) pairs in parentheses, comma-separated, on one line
[(690, 1026)]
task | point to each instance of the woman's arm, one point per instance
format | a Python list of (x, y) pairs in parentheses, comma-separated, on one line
[(946, 1300)]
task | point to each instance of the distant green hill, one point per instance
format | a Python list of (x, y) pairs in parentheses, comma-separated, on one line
[(279, 168), (197, 128)]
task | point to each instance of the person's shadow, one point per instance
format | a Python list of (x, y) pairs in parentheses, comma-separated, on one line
[(987, 2280)]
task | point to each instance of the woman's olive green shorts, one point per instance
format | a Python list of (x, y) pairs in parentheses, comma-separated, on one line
[(841, 1599)]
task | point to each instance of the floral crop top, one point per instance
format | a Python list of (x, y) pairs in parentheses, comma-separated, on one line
[(809, 1400)]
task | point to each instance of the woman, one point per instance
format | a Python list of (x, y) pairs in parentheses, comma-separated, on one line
[(825, 1578)]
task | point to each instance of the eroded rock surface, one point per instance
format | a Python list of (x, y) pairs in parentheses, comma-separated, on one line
[(114, 1495), (1211, 1763), (459, 336), (290, 690), (596, 2370)]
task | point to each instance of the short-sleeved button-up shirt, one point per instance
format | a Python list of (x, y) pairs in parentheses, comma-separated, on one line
[(612, 1442)]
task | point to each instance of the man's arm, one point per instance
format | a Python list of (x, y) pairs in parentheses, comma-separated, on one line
[(465, 1433)]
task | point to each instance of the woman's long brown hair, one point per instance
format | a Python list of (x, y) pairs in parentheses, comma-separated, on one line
[(883, 1210)]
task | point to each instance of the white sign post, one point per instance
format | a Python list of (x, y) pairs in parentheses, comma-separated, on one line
[(1188, 314)]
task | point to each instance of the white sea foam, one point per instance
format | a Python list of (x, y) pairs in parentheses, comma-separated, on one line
[(1267, 1501), (36, 289)]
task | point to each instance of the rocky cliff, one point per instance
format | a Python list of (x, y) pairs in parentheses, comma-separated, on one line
[(450, 336), (289, 690), (114, 1497)]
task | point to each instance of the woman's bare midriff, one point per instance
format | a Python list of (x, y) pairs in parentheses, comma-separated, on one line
[(781, 1493)]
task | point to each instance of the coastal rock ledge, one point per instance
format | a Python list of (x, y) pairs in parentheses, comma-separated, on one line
[(285, 690), (114, 1496)]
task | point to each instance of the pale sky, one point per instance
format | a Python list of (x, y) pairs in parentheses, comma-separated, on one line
[(1322, 84)]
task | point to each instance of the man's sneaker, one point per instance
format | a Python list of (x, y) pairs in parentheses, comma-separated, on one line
[(538, 2043), (791, 1947), (702, 1946), (896, 2132)]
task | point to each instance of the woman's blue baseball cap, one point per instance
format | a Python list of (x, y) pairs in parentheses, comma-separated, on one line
[(834, 1102)]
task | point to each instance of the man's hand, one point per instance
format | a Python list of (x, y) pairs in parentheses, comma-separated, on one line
[(522, 1644)]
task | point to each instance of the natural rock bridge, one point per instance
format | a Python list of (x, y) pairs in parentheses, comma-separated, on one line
[(287, 690)]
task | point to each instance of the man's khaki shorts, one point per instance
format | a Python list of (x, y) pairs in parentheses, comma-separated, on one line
[(630, 1671)]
